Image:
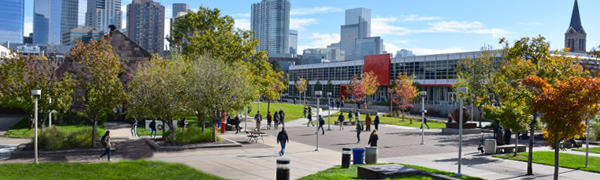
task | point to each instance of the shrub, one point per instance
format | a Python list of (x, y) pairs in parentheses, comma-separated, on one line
[(191, 134), (56, 138)]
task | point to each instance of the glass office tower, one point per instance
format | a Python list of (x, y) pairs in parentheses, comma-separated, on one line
[(12, 20), (46, 21)]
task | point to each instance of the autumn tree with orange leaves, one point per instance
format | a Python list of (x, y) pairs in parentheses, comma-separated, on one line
[(370, 83), (564, 104), (356, 89), (404, 92)]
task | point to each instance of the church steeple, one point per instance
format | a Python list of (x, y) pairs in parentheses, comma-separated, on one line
[(575, 37), (575, 20)]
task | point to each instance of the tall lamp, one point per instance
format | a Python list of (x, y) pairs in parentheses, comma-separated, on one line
[(318, 94), (36, 93), (329, 111), (423, 111), (460, 125)]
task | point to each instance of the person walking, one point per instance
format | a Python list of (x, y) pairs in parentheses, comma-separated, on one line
[(373, 138), (276, 119), (450, 118), (258, 118), (350, 116), (153, 128), (368, 121), (359, 128), (281, 116), (321, 123), (376, 122), (341, 120), (183, 123), (105, 141), (342, 103), (424, 122), (269, 120), (236, 122), (134, 127), (309, 117), (357, 115), (305, 110), (282, 138)]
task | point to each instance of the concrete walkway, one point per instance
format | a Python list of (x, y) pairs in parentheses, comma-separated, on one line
[(8, 145)]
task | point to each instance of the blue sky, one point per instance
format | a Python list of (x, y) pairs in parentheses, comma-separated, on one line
[(425, 27)]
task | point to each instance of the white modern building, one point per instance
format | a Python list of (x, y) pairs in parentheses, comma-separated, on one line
[(271, 23)]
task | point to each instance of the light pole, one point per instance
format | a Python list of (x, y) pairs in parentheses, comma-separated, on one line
[(50, 114), (587, 141), (318, 93), (460, 125), (329, 111), (246, 120), (423, 111), (36, 95)]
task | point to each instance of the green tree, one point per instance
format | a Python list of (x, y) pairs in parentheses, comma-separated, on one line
[(301, 87), (99, 88), (276, 66), (157, 89), (19, 75)]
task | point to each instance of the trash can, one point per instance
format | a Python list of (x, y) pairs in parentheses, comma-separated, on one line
[(346, 152), (283, 169), (359, 153), (489, 146), (371, 155)]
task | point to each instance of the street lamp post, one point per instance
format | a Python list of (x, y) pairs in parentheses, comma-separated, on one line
[(36, 95), (317, 94), (50, 114), (460, 125), (329, 111), (423, 111)]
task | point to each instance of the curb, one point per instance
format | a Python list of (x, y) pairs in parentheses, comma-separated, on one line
[(157, 147), (20, 151)]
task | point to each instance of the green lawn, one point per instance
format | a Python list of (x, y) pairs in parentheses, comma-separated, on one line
[(392, 120), (350, 173), (21, 129), (292, 111), (118, 170), (592, 150), (572, 161)]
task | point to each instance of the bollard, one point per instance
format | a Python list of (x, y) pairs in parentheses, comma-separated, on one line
[(346, 157), (222, 127), (359, 154), (283, 169), (371, 155)]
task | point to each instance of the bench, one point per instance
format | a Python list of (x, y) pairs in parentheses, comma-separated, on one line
[(510, 148), (230, 127), (569, 144)]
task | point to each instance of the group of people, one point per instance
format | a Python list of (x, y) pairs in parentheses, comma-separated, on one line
[(277, 118)]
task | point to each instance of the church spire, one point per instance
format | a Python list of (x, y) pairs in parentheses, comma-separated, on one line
[(575, 20)]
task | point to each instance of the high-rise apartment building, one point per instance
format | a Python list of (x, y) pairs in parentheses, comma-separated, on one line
[(293, 42), (145, 25), (271, 24), (404, 53), (47, 16), (102, 13), (12, 20), (575, 37), (349, 33), (355, 16), (180, 7), (72, 14)]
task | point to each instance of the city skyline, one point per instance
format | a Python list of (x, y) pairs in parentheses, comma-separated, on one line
[(422, 27)]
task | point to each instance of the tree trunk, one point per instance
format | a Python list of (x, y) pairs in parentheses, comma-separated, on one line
[(516, 142), (163, 129), (202, 121), (94, 131), (214, 127), (480, 114), (556, 156), (531, 136)]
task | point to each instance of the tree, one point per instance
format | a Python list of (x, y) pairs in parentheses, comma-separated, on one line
[(404, 92), (19, 75), (99, 88), (206, 32), (268, 82), (356, 89), (477, 74), (369, 81), (527, 56), (276, 66), (157, 89), (214, 86), (301, 86), (565, 103)]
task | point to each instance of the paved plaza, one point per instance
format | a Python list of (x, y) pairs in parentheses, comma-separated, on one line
[(397, 144)]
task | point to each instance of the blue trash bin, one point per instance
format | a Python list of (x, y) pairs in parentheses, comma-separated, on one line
[(359, 154)]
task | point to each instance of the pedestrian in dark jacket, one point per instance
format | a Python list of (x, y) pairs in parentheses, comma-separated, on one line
[(373, 138), (376, 122), (105, 140), (282, 138), (341, 120), (269, 119), (236, 122), (153, 128), (276, 119), (258, 118), (309, 117), (281, 116), (359, 128), (321, 123), (350, 116)]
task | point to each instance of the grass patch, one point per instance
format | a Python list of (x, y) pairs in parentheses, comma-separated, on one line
[(392, 120), (572, 161), (191, 135), (350, 173), (21, 129), (592, 150), (292, 111), (56, 138), (120, 170)]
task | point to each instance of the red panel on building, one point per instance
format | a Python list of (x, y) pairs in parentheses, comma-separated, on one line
[(343, 94), (380, 65)]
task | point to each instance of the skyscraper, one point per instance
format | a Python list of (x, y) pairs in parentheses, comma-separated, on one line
[(293, 42), (575, 37), (180, 7), (72, 15), (145, 25), (102, 13), (47, 16), (349, 33), (271, 23), (12, 20), (353, 16)]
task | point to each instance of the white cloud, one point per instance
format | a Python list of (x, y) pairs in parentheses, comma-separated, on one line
[(315, 10), (28, 28), (319, 41), (242, 24), (242, 15), (381, 26), (405, 41), (300, 23), (384, 26), (495, 32), (168, 11), (390, 48), (414, 17), (453, 26)]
